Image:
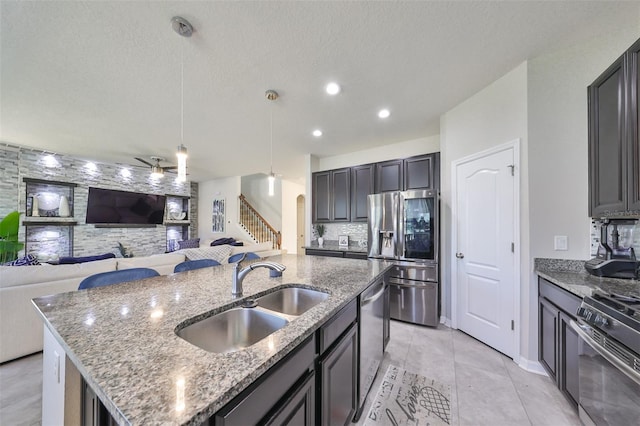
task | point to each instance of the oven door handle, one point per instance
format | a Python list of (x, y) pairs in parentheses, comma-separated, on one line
[(628, 371)]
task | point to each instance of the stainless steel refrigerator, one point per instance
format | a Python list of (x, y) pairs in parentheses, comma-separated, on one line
[(403, 226)]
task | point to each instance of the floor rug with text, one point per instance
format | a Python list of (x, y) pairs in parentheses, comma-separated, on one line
[(410, 399)]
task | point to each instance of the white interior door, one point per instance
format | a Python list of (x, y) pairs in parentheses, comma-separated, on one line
[(485, 273)]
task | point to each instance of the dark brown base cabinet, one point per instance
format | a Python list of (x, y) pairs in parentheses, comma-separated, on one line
[(314, 384), (339, 368), (558, 343), (300, 408), (337, 253), (275, 395)]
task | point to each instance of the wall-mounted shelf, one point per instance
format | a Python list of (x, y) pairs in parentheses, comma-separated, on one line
[(124, 225), (177, 229), (177, 222), (58, 221), (49, 230)]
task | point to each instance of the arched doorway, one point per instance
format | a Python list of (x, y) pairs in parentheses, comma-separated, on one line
[(300, 238)]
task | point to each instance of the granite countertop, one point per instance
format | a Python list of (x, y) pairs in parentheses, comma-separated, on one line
[(333, 246), (122, 338), (571, 276)]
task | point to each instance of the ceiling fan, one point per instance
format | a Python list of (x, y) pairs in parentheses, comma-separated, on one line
[(156, 168)]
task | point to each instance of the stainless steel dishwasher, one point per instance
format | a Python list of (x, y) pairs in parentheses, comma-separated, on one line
[(371, 335)]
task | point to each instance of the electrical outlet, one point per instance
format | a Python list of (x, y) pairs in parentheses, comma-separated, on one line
[(56, 366), (560, 242)]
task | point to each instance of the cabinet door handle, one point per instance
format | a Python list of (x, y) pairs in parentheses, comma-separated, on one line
[(460, 255)]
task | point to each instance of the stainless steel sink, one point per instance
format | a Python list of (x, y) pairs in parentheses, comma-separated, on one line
[(292, 300), (232, 330)]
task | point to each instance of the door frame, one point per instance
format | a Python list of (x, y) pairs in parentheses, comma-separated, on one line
[(515, 146)]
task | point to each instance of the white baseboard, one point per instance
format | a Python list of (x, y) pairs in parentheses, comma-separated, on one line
[(532, 366), (446, 321)]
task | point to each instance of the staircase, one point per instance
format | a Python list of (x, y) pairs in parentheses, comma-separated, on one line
[(256, 226)]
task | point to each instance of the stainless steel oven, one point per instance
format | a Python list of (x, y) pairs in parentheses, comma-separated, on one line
[(609, 360)]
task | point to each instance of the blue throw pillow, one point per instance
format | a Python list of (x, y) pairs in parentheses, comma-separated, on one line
[(27, 260), (223, 241)]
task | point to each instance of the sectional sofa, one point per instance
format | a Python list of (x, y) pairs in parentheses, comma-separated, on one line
[(20, 326)]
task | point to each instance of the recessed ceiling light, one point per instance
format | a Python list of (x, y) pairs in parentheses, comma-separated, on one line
[(333, 88), (317, 133), (384, 113)]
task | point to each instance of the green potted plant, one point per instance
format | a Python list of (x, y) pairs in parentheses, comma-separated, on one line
[(9, 244), (320, 231)]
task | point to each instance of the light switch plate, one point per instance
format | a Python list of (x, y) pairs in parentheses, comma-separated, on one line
[(560, 242)]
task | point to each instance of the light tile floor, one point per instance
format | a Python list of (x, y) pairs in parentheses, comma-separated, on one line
[(487, 388), (21, 391)]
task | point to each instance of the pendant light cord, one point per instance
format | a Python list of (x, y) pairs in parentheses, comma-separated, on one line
[(271, 149), (182, 92)]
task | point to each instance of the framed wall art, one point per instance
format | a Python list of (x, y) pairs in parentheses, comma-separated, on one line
[(218, 216)]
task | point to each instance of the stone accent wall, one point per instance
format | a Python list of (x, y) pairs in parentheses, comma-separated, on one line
[(18, 163)]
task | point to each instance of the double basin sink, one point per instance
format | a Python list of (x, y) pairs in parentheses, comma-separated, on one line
[(239, 328)]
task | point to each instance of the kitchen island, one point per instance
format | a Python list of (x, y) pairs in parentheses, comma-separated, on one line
[(122, 339)]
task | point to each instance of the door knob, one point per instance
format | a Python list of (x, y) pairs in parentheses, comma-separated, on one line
[(460, 255)]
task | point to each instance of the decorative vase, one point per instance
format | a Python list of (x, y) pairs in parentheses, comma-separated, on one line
[(320, 241), (35, 207), (63, 210)]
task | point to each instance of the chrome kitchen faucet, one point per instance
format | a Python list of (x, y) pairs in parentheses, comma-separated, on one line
[(240, 274)]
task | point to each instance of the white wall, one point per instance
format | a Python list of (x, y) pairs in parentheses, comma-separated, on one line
[(229, 189), (290, 193), (404, 149), (256, 190), (558, 148), (558, 145), (543, 102), (493, 116), (311, 164)]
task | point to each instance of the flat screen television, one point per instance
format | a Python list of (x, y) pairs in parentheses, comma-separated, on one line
[(108, 206)]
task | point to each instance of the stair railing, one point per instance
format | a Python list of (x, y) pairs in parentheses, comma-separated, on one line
[(256, 225)]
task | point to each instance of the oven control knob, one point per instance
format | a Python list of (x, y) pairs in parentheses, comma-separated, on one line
[(600, 321), (582, 312)]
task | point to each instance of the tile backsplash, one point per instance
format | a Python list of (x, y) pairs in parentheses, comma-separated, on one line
[(357, 231)]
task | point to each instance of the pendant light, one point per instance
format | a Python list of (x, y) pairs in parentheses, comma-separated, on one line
[(184, 29), (271, 95)]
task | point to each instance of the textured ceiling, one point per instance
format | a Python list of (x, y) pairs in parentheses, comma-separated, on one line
[(101, 80)]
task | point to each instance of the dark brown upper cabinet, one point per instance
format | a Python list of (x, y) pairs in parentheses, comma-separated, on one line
[(614, 158), (389, 176), (341, 195), (633, 111), (362, 184), (331, 196), (321, 194), (422, 172)]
